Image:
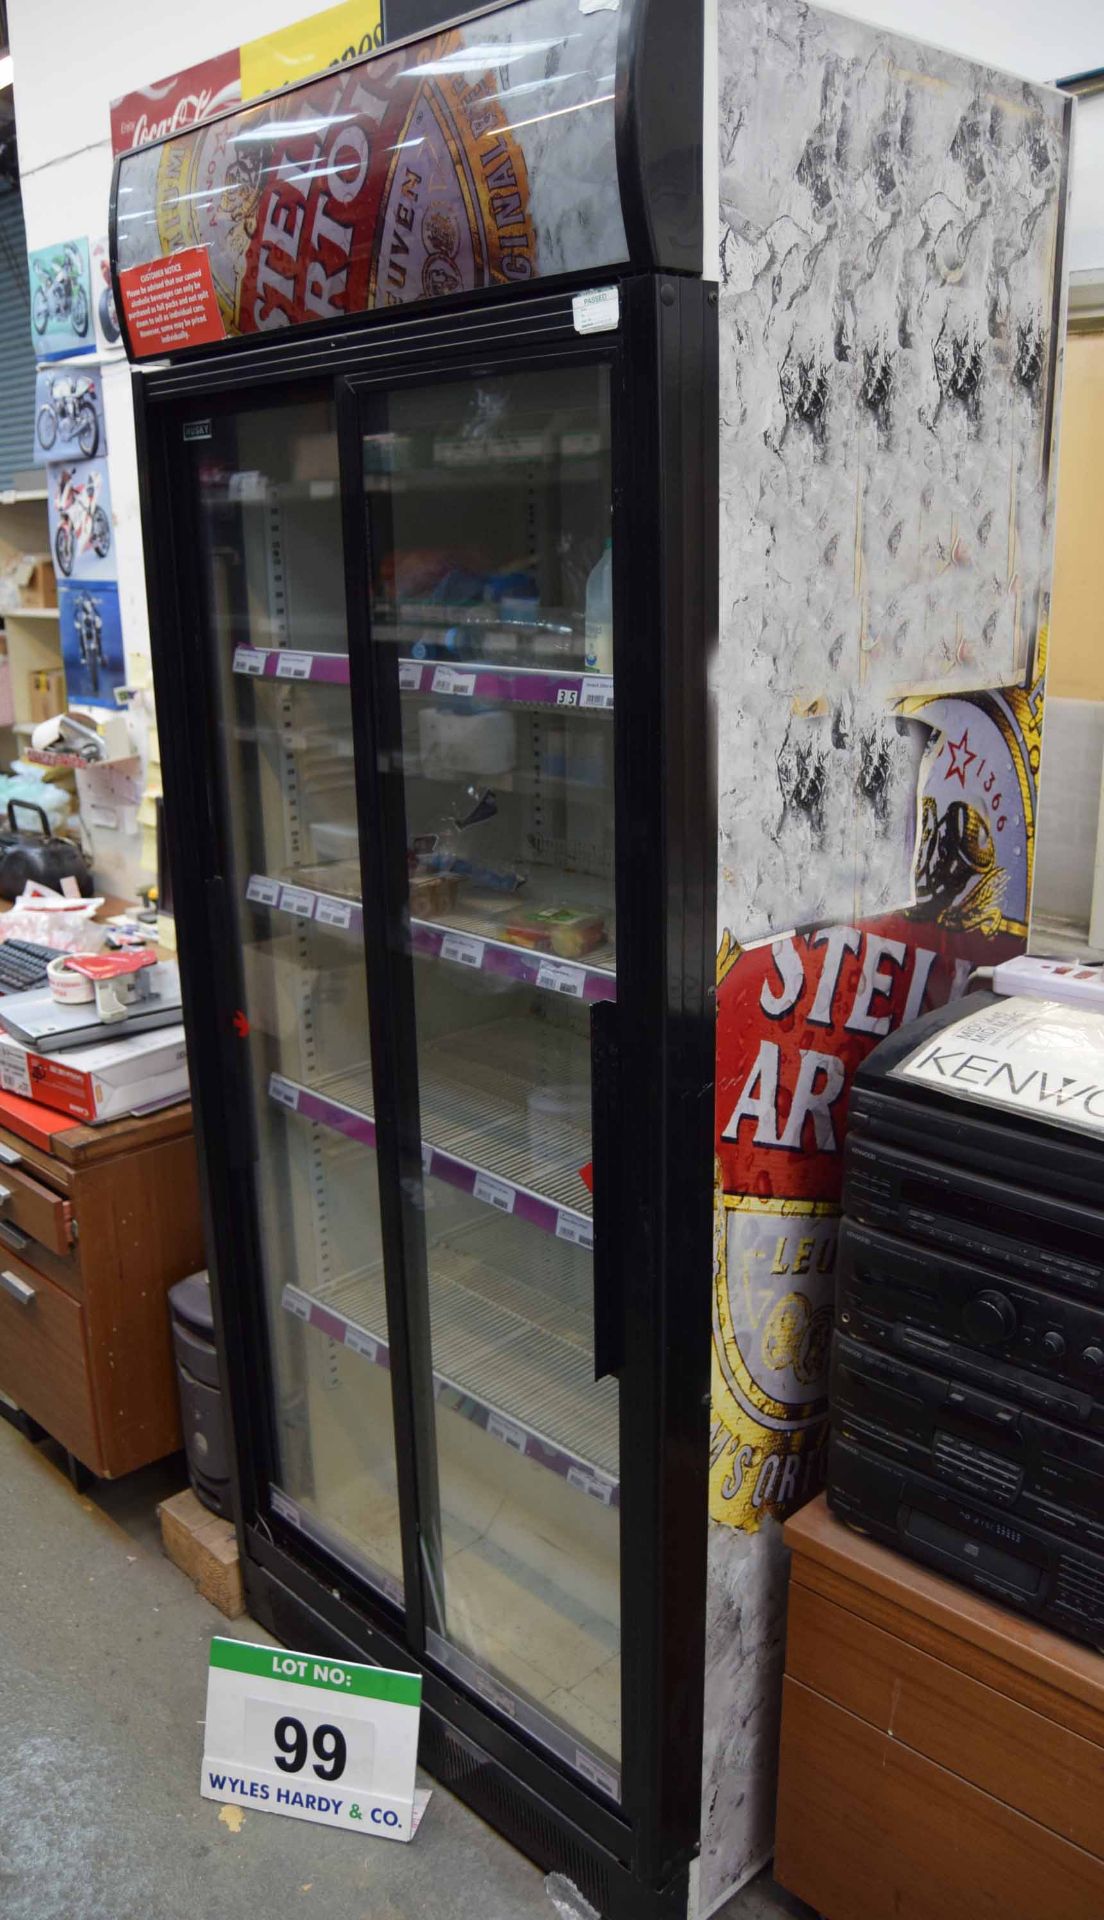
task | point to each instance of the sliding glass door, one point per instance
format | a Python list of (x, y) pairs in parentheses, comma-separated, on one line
[(488, 506)]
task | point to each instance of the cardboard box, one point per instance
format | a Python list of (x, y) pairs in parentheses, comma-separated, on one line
[(46, 694), (37, 582), (100, 1082)]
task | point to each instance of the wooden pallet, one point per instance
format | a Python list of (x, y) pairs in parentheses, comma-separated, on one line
[(206, 1549)]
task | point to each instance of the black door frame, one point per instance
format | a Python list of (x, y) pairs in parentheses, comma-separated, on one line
[(665, 490)]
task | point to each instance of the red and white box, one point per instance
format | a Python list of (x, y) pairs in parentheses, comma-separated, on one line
[(128, 1075)]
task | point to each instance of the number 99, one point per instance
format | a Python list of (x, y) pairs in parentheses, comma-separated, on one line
[(329, 1746)]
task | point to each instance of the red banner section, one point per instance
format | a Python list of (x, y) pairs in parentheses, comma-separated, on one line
[(171, 303), (168, 106), (797, 1016)]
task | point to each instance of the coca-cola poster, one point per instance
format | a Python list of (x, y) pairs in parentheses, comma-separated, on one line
[(169, 106)]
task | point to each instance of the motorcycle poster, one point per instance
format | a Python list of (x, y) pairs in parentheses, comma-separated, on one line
[(109, 338), (82, 539), (69, 415), (91, 642), (61, 299)]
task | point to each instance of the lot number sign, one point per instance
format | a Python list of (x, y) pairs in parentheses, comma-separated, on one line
[(318, 1739)]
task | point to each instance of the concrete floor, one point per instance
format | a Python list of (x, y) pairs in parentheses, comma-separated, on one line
[(103, 1660)]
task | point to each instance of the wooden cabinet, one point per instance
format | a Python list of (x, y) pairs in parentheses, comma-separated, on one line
[(94, 1229), (941, 1759)]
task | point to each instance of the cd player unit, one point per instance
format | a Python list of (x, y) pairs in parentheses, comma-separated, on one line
[(1054, 1241), (979, 1444), (1020, 1564), (1024, 1342)]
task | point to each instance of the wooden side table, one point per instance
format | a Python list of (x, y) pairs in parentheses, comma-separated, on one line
[(941, 1759), (96, 1223)]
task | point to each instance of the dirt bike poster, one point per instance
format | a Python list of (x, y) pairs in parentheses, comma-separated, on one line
[(69, 415), (91, 642), (61, 299), (82, 539), (109, 336)]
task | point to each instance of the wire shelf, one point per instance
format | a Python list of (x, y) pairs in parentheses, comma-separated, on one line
[(474, 1088), (533, 1372)]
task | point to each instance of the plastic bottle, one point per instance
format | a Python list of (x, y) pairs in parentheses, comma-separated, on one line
[(599, 614)]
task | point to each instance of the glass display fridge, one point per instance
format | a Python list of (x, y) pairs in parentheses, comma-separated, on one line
[(427, 442)]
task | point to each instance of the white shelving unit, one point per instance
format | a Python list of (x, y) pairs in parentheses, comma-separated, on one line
[(33, 634)]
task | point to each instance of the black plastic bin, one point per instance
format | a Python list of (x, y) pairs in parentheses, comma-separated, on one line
[(202, 1412)]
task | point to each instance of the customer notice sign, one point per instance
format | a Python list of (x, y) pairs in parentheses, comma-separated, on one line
[(318, 1739)]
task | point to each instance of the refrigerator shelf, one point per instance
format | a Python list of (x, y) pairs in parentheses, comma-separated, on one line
[(563, 687), (542, 1187), (526, 1386), (459, 940), (567, 689)]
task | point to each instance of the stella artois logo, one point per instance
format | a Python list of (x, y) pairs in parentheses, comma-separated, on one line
[(369, 188)]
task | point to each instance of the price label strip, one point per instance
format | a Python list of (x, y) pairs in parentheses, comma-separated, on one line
[(329, 1741), (464, 949), (449, 680), (293, 666)]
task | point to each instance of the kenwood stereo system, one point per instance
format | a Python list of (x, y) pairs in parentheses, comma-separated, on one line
[(968, 1357)]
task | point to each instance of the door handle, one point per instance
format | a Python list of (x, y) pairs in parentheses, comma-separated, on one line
[(20, 1291), (605, 1161), (13, 1237)]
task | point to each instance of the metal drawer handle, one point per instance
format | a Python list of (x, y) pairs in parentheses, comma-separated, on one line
[(20, 1290), (9, 1155), (5, 1196), (12, 1236)]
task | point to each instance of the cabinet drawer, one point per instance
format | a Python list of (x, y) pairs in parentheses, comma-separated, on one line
[(43, 1363), (29, 1207), (868, 1828)]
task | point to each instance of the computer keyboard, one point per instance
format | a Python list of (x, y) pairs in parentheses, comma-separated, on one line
[(23, 965)]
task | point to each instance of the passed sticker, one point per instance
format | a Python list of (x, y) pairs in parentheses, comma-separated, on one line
[(597, 311)]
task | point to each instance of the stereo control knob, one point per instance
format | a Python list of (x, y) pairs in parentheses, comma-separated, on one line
[(990, 1318), (1054, 1345), (1094, 1357)]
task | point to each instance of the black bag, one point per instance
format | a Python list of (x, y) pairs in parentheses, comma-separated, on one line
[(45, 857)]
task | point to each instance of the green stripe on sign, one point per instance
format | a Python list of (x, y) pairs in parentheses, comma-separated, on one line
[(307, 1670)]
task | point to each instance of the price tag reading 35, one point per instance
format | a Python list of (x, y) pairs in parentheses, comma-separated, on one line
[(319, 1739)]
